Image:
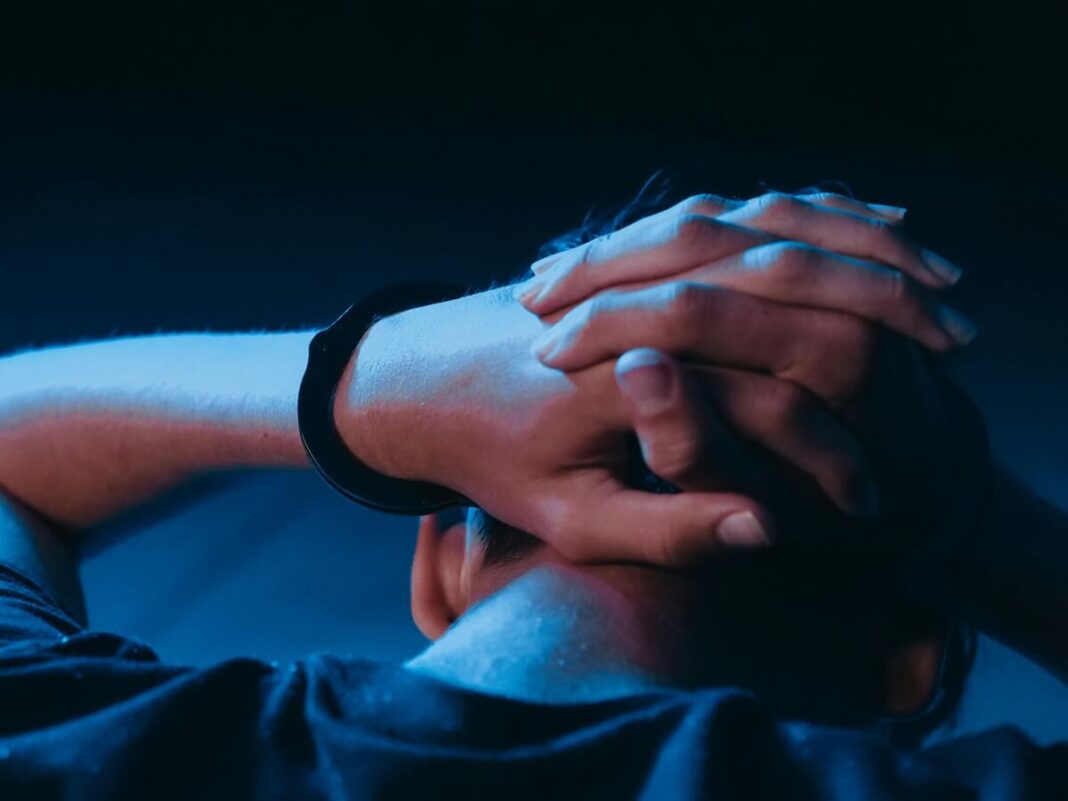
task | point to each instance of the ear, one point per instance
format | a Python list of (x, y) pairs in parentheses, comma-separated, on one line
[(439, 581), (911, 674)]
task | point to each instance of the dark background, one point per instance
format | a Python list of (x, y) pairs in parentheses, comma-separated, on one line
[(228, 166)]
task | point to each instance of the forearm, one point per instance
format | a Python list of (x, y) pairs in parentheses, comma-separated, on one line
[(1010, 580), (87, 431)]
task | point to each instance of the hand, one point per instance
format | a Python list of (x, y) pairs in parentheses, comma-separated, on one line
[(847, 403), (452, 394), (810, 360)]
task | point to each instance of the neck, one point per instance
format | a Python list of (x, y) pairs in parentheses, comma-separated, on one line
[(558, 634)]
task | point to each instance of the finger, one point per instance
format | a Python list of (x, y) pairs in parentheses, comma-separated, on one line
[(715, 205), (648, 252), (716, 325), (678, 434), (795, 273), (895, 215), (789, 422), (680, 437), (686, 319), (790, 217), (608, 522), (705, 204)]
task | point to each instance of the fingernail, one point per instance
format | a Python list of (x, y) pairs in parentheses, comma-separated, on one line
[(646, 380), (743, 530), (897, 212), (528, 291), (866, 503), (959, 327), (942, 267)]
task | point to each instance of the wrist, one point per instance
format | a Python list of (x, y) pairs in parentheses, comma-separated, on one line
[(391, 403), (366, 414), (429, 391), (414, 398)]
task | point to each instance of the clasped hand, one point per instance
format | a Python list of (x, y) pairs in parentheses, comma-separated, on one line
[(751, 347)]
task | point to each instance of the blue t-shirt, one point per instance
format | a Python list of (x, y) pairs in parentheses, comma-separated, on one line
[(89, 715)]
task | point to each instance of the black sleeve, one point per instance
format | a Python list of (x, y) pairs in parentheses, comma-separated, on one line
[(92, 715), (29, 613)]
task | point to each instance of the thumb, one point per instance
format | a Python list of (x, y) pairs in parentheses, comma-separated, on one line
[(682, 441), (681, 437)]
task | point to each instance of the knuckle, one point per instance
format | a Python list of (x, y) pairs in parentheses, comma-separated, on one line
[(665, 550), (596, 308), (784, 405), (775, 204), (673, 458), (692, 230), (580, 271), (903, 293), (580, 317), (701, 203), (788, 260), (592, 315), (688, 302), (688, 309), (896, 287), (843, 357), (667, 545), (565, 273)]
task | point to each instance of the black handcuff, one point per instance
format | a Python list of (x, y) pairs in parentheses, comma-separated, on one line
[(328, 355)]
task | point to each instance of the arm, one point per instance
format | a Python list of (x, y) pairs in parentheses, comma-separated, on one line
[(449, 393), (89, 430), (1010, 579)]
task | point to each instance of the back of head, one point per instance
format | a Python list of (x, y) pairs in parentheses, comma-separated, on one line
[(818, 633)]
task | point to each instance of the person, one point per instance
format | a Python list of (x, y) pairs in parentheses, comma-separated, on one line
[(771, 606)]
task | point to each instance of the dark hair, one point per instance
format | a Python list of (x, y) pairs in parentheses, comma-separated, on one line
[(503, 543)]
